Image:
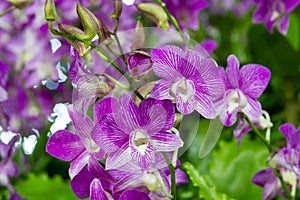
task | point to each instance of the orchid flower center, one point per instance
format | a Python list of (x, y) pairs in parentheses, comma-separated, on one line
[(236, 99), (183, 88), (140, 141), (278, 8), (151, 181)]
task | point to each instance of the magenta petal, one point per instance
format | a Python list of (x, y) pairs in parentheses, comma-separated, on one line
[(144, 159), (3, 94), (78, 164), (104, 107), (259, 14), (166, 141), (80, 184), (292, 135), (205, 106), (96, 191), (157, 115), (134, 194), (253, 108), (166, 60), (228, 119), (232, 71), (161, 90), (64, 145), (255, 79), (185, 107), (283, 25), (118, 158)]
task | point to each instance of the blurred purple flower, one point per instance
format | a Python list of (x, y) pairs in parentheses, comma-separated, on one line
[(187, 77), (8, 168), (78, 148), (222, 7), (242, 88), (271, 11), (186, 12), (136, 133)]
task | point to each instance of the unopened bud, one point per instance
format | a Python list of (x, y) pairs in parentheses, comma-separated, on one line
[(50, 10), (104, 32), (156, 13), (89, 21), (20, 3), (117, 9), (74, 32), (139, 36)]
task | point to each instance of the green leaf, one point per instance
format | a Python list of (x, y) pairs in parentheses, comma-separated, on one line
[(207, 191), (233, 167), (37, 187), (293, 31)]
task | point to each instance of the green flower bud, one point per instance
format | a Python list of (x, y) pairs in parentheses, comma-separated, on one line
[(139, 36), (89, 21), (156, 13), (20, 3), (117, 9), (50, 10)]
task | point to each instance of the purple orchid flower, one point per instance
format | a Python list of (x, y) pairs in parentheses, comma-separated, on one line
[(242, 88), (186, 12), (137, 133), (93, 182), (78, 148), (187, 77), (139, 65), (8, 168), (270, 11)]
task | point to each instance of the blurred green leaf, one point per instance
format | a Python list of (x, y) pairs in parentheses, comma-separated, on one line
[(37, 187), (293, 31), (207, 191), (233, 167)]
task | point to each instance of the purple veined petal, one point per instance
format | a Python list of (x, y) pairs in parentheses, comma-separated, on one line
[(166, 60), (260, 14), (83, 124), (104, 107), (224, 77), (134, 194), (161, 90), (272, 189), (283, 25), (166, 141), (270, 23), (80, 184), (228, 118), (232, 71), (64, 145), (156, 115), (129, 181), (185, 106), (110, 137), (118, 158), (181, 177), (127, 115), (292, 135), (255, 79), (96, 168), (96, 191), (143, 155), (78, 164), (253, 108), (262, 177), (188, 64), (240, 130), (205, 105), (10, 168), (210, 80), (209, 45)]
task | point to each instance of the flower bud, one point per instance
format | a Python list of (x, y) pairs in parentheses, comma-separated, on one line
[(89, 21), (117, 9), (73, 31), (156, 13), (139, 36), (20, 3), (50, 10)]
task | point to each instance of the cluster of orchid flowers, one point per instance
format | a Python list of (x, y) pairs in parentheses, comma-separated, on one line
[(127, 99)]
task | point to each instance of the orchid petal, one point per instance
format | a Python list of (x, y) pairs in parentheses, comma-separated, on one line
[(80, 184), (253, 108), (134, 194), (232, 71), (64, 145), (205, 105), (118, 158), (166, 141), (161, 90), (96, 191), (78, 164), (104, 107)]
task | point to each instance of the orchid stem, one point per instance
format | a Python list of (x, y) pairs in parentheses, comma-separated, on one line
[(7, 10), (115, 81), (172, 173), (283, 184), (257, 132), (174, 22)]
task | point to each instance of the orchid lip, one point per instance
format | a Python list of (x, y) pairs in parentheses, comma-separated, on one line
[(139, 141), (184, 88)]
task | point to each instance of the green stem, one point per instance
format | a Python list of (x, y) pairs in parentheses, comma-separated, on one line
[(114, 81), (7, 10), (172, 173), (283, 184), (257, 132), (174, 22)]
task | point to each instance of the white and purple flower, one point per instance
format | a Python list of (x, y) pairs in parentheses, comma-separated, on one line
[(242, 88), (187, 77), (135, 133)]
